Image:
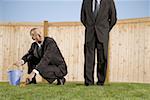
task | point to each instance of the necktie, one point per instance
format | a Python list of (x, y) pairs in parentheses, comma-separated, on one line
[(96, 9), (39, 51)]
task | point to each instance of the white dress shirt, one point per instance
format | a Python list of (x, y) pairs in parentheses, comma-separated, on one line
[(98, 1)]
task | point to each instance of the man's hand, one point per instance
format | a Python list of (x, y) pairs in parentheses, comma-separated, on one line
[(19, 63)]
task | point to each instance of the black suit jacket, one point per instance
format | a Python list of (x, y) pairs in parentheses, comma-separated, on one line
[(51, 55), (103, 23)]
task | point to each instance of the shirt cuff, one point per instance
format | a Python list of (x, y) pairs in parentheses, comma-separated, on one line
[(22, 62), (35, 71)]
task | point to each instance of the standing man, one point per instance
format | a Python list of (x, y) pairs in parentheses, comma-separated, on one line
[(44, 58), (98, 17)]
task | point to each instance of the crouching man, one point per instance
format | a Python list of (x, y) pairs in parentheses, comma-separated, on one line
[(44, 58)]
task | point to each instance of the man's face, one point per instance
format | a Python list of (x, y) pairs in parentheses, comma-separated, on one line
[(37, 36)]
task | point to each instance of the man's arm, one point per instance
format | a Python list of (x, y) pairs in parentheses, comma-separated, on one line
[(112, 14), (28, 55), (83, 15)]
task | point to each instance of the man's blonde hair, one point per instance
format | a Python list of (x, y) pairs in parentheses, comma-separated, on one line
[(33, 29)]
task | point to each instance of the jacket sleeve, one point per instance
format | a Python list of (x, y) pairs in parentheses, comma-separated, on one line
[(83, 15), (112, 14), (29, 54)]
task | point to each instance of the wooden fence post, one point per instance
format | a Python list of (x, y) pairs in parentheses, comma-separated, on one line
[(45, 28)]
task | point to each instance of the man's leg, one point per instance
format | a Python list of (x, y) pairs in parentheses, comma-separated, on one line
[(89, 54), (51, 73), (101, 64), (59, 81), (31, 66), (34, 79)]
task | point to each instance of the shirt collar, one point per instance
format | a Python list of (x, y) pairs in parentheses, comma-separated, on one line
[(39, 44), (98, 1)]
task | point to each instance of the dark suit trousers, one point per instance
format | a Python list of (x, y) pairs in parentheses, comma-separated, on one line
[(31, 65), (47, 73), (89, 53), (51, 72)]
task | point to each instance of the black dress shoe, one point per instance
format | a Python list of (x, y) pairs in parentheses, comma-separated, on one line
[(100, 84), (88, 84), (33, 80), (28, 81), (61, 81)]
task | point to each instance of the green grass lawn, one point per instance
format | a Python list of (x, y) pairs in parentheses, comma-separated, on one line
[(75, 91)]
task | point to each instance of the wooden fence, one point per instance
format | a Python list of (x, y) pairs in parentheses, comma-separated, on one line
[(15, 40), (129, 48), (129, 58)]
